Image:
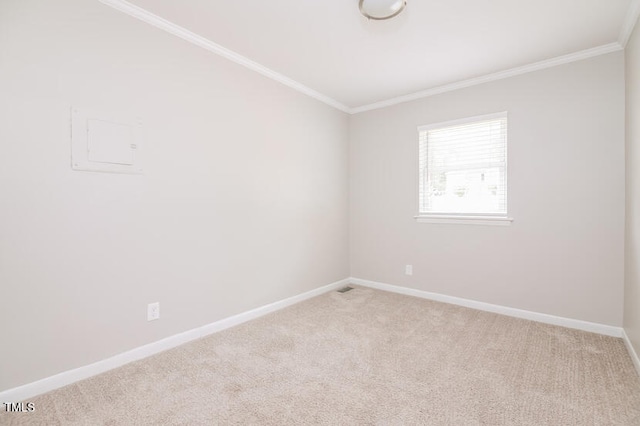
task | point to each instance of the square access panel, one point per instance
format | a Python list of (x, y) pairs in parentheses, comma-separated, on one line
[(105, 143)]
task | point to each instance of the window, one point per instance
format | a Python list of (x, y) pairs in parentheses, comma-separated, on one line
[(463, 170)]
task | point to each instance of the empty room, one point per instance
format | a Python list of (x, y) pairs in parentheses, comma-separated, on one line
[(342, 212)]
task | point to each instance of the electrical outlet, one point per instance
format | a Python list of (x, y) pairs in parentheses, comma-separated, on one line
[(408, 269), (153, 311)]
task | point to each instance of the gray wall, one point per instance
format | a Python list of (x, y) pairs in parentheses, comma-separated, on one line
[(563, 255), (632, 261), (244, 201)]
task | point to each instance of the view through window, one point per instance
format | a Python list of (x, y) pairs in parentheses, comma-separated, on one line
[(463, 167)]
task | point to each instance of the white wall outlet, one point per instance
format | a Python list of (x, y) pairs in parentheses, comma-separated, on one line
[(408, 269), (153, 311)]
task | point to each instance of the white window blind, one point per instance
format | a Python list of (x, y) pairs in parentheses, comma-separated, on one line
[(463, 167)]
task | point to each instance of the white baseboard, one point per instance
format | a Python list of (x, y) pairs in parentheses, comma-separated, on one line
[(632, 351), (498, 309), (65, 378), (263, 310)]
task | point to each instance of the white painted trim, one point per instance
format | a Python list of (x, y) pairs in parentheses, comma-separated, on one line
[(263, 310), (607, 330), (629, 24), (464, 220), (168, 26), (632, 352), (466, 120), (536, 66), (65, 378)]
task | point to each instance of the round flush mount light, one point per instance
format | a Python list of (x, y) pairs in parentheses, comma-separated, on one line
[(381, 9)]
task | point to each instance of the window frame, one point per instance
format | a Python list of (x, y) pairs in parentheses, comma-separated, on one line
[(500, 219)]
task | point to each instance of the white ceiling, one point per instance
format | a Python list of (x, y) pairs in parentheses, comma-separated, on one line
[(331, 49)]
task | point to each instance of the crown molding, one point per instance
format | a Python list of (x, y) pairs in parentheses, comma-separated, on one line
[(629, 22), (168, 26), (536, 66)]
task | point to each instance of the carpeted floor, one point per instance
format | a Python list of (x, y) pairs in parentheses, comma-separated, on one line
[(364, 357)]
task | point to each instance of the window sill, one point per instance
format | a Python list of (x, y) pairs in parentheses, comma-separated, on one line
[(465, 220)]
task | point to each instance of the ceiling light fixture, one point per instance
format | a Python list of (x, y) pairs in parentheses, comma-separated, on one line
[(381, 9)]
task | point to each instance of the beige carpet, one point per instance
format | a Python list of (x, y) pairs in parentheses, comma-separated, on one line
[(364, 357)]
